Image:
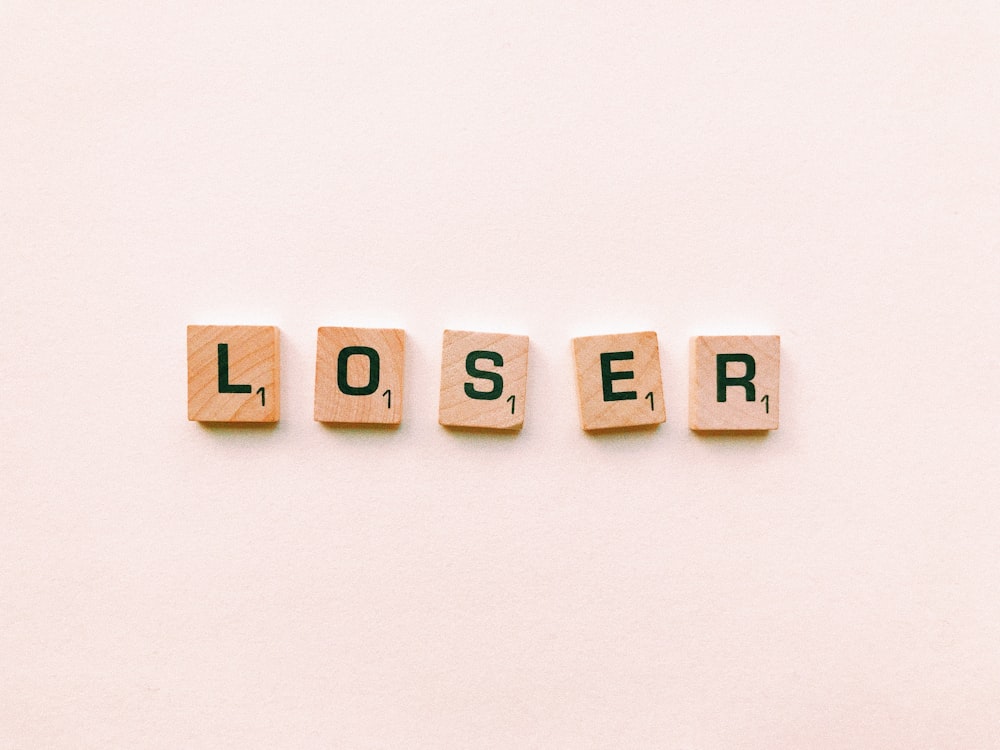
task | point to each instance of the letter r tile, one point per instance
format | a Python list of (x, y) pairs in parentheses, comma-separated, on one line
[(734, 383), (233, 373), (618, 381)]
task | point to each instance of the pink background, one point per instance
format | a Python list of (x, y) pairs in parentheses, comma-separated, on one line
[(829, 174)]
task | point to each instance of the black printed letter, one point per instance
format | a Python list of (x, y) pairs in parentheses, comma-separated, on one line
[(373, 370), (723, 381), (607, 377), (224, 385), (495, 377)]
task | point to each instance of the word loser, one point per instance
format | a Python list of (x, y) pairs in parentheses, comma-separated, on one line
[(233, 376)]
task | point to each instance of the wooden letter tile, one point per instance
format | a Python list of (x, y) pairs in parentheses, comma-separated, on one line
[(359, 375), (618, 381), (734, 383), (232, 373), (484, 380)]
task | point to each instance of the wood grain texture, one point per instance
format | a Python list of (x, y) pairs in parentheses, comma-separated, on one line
[(623, 389), (497, 377), (719, 369), (352, 385), (243, 360)]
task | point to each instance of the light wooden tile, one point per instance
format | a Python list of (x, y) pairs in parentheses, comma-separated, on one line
[(734, 383), (618, 381), (484, 380), (233, 373), (359, 375)]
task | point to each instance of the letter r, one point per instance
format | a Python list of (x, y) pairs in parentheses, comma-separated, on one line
[(724, 381)]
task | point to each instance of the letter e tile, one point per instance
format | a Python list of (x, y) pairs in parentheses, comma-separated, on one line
[(618, 381)]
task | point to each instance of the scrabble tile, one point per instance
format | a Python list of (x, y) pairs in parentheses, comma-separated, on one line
[(359, 375), (484, 380), (734, 383), (618, 381), (233, 373)]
